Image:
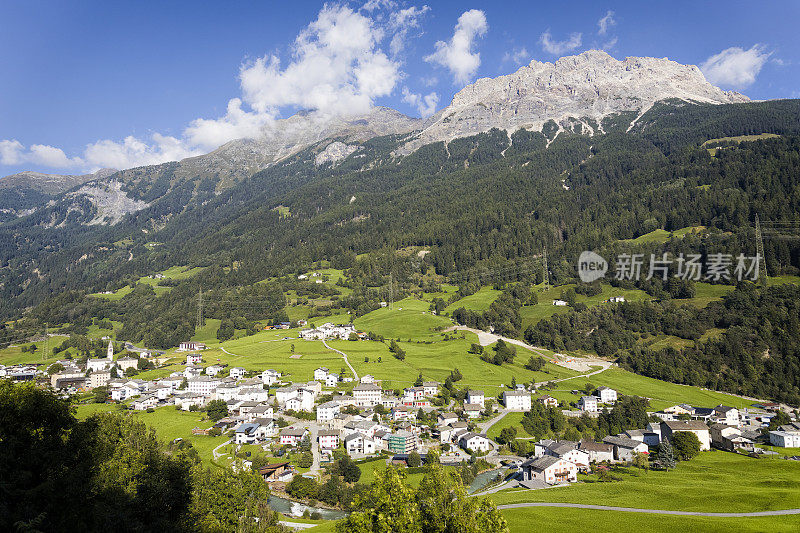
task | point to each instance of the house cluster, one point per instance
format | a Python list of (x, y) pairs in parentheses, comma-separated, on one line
[(602, 396), (329, 331)]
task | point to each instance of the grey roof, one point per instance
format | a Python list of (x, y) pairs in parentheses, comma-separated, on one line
[(623, 442), (541, 463), (562, 447), (685, 425), (366, 387), (293, 432), (592, 446)]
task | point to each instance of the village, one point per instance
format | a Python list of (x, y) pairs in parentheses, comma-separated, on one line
[(335, 413)]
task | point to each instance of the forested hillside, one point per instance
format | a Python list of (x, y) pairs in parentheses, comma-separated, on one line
[(482, 201)]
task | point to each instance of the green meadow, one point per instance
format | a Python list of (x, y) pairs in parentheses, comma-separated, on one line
[(480, 301)]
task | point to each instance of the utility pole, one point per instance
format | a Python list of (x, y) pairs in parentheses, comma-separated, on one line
[(46, 342), (200, 319), (760, 252)]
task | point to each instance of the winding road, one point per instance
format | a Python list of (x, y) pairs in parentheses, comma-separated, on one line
[(344, 355), (781, 512)]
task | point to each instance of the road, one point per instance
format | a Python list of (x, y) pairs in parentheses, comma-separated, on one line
[(296, 525), (485, 426), (218, 455), (583, 365), (344, 355), (781, 512)]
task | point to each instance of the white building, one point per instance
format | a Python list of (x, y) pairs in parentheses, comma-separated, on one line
[(367, 394), (331, 380), (551, 470), (327, 411), (356, 443), (328, 439), (99, 378), (698, 427), (202, 385), (726, 415), (328, 331), (270, 377), (125, 363), (194, 359), (588, 404), (191, 346), (606, 394), (475, 442), (475, 397), (784, 439), (237, 372), (517, 400), (96, 365), (320, 373), (368, 378)]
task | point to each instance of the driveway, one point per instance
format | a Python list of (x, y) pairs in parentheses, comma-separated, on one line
[(344, 355)]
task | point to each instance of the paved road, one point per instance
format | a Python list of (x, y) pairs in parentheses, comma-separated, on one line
[(344, 355), (781, 512), (218, 455), (485, 426)]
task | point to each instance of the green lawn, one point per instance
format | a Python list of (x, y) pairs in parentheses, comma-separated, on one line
[(661, 236), (480, 301), (661, 393), (407, 319), (714, 481)]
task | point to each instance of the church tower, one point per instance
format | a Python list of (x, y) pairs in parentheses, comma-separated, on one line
[(110, 350)]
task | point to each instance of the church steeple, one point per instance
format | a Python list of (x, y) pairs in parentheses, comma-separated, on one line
[(110, 350)]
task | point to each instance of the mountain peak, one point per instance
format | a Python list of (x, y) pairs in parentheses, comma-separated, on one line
[(585, 88)]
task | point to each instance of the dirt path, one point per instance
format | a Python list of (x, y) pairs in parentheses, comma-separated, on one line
[(344, 355)]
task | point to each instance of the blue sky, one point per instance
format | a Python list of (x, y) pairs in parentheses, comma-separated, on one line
[(91, 84)]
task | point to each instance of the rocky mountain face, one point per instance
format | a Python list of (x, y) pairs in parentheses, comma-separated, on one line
[(575, 92), (582, 94), (50, 184)]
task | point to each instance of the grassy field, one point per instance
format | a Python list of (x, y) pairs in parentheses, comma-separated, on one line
[(714, 481), (661, 236), (480, 301), (176, 272), (407, 319), (557, 520)]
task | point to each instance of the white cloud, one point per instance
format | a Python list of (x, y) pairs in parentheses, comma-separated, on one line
[(50, 156), (518, 56), (11, 152), (560, 47), (426, 105), (457, 55), (735, 67), (336, 66), (611, 43), (605, 23), (401, 23)]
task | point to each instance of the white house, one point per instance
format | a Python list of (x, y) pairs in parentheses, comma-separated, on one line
[(624, 448), (320, 373), (698, 427), (559, 303), (475, 442), (99, 378), (784, 439), (327, 411), (202, 385), (213, 370), (124, 363), (194, 359), (726, 415), (597, 451), (270, 377), (430, 388), (246, 433), (551, 470), (472, 410), (145, 402), (192, 371), (237, 372), (331, 380), (356, 443), (476, 397), (588, 404), (96, 365), (606, 394), (367, 394), (191, 346), (292, 436), (548, 401), (328, 439), (517, 400), (445, 419), (368, 378)]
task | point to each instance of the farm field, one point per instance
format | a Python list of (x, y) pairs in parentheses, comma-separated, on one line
[(407, 319)]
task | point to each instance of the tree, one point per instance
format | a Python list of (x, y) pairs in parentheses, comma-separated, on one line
[(347, 468), (419, 381), (686, 445), (226, 330), (666, 455), (535, 363), (305, 460), (217, 410), (55, 368), (780, 419), (353, 336), (476, 348), (414, 459), (513, 382), (387, 507), (303, 487), (100, 394), (640, 461)]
